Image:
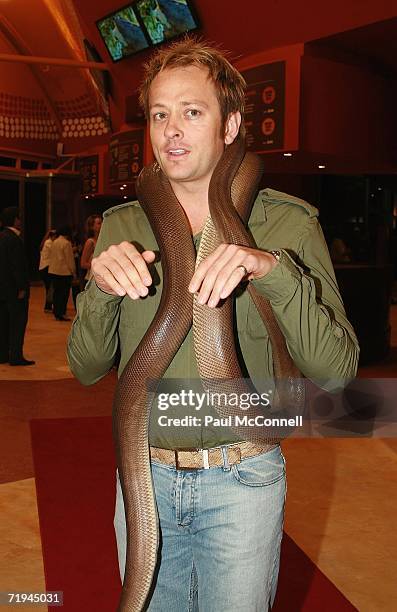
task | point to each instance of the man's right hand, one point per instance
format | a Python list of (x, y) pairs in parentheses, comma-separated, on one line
[(122, 270)]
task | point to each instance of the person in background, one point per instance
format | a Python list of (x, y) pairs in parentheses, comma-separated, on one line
[(45, 249), (93, 226), (339, 251), (14, 290), (62, 270)]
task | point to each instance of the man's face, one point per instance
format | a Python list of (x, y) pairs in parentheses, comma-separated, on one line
[(185, 125)]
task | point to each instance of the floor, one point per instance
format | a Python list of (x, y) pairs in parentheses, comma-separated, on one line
[(341, 502)]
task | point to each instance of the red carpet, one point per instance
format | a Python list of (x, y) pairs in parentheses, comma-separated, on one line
[(75, 479)]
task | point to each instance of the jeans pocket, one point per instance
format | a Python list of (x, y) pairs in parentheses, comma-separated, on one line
[(260, 471)]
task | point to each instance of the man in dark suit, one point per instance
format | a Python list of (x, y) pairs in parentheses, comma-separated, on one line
[(14, 290)]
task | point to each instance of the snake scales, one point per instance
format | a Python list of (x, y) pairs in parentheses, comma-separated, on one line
[(232, 189)]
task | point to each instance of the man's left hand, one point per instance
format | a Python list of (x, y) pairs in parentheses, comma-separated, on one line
[(219, 274)]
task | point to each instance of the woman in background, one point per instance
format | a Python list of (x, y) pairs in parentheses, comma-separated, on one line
[(45, 251), (93, 226), (62, 270)]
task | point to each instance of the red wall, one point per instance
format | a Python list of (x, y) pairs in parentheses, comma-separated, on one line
[(347, 111), (244, 28)]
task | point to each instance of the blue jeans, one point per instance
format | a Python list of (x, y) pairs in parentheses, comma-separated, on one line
[(221, 531)]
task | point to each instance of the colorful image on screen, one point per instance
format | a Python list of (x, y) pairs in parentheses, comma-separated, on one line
[(165, 19), (122, 33)]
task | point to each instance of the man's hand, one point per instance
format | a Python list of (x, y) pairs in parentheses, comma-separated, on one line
[(122, 270), (220, 273)]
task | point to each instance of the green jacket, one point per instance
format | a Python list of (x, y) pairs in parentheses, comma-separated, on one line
[(302, 291)]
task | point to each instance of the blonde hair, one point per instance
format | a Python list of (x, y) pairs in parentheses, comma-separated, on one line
[(229, 83)]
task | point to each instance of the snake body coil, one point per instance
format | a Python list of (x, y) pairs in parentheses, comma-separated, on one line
[(232, 189)]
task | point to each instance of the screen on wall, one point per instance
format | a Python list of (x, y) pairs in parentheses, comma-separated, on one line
[(122, 33), (145, 23)]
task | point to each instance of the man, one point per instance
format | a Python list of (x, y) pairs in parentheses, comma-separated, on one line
[(221, 524), (14, 290), (62, 270)]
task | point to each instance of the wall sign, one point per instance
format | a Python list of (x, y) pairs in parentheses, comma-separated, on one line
[(126, 156), (265, 107), (88, 168)]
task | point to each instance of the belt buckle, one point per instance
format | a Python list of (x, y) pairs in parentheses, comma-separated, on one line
[(206, 463), (203, 451), (177, 460)]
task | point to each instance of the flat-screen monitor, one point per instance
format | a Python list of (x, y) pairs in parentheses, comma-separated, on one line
[(122, 33), (145, 23)]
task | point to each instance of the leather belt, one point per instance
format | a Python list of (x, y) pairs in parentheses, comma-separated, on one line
[(199, 458)]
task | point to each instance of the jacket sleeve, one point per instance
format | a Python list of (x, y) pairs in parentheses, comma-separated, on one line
[(93, 339), (306, 301)]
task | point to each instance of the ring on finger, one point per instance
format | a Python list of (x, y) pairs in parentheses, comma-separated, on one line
[(243, 268)]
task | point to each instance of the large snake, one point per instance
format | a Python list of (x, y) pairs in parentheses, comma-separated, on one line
[(232, 188)]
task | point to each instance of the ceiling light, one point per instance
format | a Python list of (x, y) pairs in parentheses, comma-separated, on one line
[(287, 154), (321, 166)]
